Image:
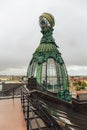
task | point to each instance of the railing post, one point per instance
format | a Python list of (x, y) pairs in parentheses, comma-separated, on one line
[(21, 97), (22, 100), (13, 94), (28, 114), (23, 104)]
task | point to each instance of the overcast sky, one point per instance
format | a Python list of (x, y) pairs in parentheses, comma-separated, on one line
[(20, 33)]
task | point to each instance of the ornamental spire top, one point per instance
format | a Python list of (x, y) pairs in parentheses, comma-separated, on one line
[(46, 20), (47, 23)]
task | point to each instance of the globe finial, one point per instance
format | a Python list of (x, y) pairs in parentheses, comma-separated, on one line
[(46, 20)]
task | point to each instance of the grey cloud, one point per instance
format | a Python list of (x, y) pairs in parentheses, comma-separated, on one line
[(20, 32)]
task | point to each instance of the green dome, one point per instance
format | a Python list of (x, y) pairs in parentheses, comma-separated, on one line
[(47, 65)]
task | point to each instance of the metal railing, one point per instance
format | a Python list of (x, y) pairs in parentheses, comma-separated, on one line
[(10, 93), (35, 111)]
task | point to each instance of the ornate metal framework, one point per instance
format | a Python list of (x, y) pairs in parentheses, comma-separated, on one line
[(47, 64)]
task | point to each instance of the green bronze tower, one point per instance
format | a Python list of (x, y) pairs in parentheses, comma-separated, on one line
[(47, 65)]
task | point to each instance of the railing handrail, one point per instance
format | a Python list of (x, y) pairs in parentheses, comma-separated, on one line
[(25, 88)]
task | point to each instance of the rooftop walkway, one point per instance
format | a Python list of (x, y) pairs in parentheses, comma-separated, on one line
[(11, 115)]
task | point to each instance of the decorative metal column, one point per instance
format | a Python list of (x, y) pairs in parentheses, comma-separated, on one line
[(47, 64)]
